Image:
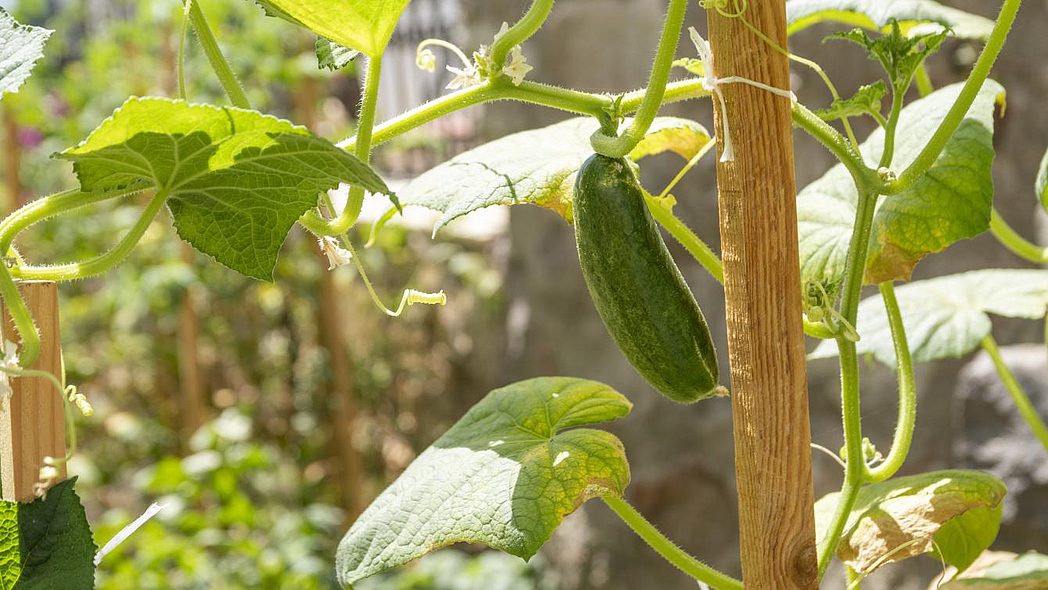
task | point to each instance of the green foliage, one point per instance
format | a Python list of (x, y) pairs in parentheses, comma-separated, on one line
[(1021, 572), (332, 56), (536, 166), (951, 202), (504, 475), (237, 180), (866, 101), (958, 511), (46, 543), (454, 570), (20, 47), (914, 16), (363, 25), (946, 317), (1041, 184), (898, 54)]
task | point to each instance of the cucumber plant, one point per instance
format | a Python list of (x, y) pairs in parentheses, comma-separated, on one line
[(235, 181)]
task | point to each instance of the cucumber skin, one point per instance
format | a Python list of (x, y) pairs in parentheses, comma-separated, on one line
[(639, 292)]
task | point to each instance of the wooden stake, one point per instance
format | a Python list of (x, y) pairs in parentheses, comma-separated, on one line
[(32, 423), (758, 224)]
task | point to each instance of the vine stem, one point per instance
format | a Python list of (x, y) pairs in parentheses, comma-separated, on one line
[(51, 206), (1010, 239), (668, 550), (20, 316), (218, 62), (520, 32), (956, 114), (616, 147), (1022, 401), (907, 390), (840, 147), (855, 466)]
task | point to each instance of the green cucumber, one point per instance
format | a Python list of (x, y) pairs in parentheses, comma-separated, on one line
[(636, 287)]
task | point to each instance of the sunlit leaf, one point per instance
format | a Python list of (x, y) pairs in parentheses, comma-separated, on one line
[(908, 516), (914, 16), (951, 202), (332, 56), (237, 180), (364, 25), (46, 543), (20, 47), (536, 167), (946, 317), (505, 475), (866, 101), (999, 570)]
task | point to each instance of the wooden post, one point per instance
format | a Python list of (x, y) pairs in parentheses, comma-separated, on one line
[(32, 424), (758, 224)]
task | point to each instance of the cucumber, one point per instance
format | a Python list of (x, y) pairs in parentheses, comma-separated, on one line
[(646, 306)]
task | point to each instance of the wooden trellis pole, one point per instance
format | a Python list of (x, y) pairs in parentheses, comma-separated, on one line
[(32, 424), (758, 224)]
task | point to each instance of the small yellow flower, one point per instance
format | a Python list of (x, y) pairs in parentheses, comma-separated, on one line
[(426, 60), (516, 68)]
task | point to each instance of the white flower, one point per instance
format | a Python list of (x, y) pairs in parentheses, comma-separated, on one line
[(515, 67), (336, 255), (464, 77), (426, 60)]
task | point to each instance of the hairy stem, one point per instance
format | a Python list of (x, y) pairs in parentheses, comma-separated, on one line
[(103, 262), (616, 147), (835, 142), (855, 466), (964, 101), (1022, 401), (218, 62), (48, 207), (1010, 239), (668, 550), (907, 391), (890, 129), (21, 317), (520, 32)]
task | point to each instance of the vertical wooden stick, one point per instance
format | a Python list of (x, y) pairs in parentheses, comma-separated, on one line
[(758, 224), (32, 424)]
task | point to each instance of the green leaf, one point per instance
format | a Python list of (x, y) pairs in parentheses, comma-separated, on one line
[(364, 25), (949, 203), (866, 101), (46, 543), (536, 166), (946, 317), (1014, 572), (1041, 184), (907, 516), (237, 180), (20, 47), (505, 475), (332, 56), (899, 55), (914, 16)]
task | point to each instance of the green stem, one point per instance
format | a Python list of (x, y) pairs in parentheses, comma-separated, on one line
[(852, 578), (668, 550), (964, 101), (1022, 402), (617, 147), (890, 129), (674, 92), (103, 262), (1013, 241), (218, 62), (835, 142), (21, 317), (520, 32), (907, 391), (855, 466), (693, 243), (48, 207), (924, 81)]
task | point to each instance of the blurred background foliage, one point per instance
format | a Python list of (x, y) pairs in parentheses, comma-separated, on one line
[(263, 415)]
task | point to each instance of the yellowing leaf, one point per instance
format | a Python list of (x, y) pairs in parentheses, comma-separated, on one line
[(364, 25)]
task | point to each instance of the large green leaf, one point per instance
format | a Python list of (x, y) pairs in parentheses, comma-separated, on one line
[(1015, 572), (364, 25), (46, 544), (20, 47), (946, 317), (878, 14), (536, 166), (949, 203), (907, 516), (1041, 185), (237, 179), (504, 475)]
